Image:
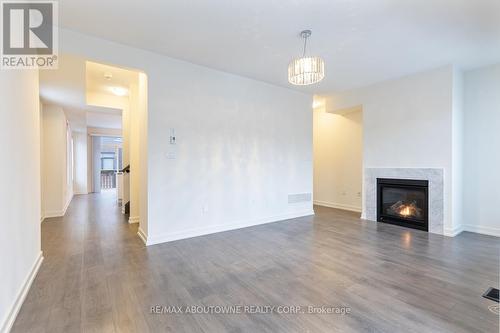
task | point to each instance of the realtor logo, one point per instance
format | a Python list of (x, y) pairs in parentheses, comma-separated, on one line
[(29, 34)]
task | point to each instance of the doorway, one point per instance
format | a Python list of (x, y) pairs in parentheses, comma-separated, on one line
[(107, 162), (338, 156)]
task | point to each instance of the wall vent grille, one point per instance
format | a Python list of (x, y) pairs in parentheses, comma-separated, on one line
[(299, 197)]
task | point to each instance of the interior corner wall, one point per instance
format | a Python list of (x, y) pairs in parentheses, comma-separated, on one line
[(90, 184), (55, 150), (338, 159), (134, 152), (407, 123), (42, 162), (243, 145), (143, 152), (68, 189), (80, 162), (481, 150), (457, 203), (126, 134), (20, 193)]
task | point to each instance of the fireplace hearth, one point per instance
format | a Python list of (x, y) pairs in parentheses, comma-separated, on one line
[(403, 202)]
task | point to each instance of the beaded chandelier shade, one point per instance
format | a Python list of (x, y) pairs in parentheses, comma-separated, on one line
[(306, 70)]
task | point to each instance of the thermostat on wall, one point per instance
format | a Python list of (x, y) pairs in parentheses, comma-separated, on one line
[(172, 136)]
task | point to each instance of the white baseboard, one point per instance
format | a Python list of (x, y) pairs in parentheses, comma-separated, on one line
[(21, 296), (492, 231), (169, 237), (452, 232), (351, 208), (478, 229), (67, 204), (142, 235), (55, 213), (133, 219)]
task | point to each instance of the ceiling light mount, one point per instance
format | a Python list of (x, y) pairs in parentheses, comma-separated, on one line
[(119, 91), (306, 70), (305, 33)]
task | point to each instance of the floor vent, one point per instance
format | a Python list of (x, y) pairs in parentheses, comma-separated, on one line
[(300, 197), (491, 293)]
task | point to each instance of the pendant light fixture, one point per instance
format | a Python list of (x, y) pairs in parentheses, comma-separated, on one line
[(306, 70)]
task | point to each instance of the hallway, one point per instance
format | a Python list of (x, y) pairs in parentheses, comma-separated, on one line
[(99, 277), (84, 252)]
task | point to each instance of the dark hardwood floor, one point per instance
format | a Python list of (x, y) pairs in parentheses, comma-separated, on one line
[(99, 277)]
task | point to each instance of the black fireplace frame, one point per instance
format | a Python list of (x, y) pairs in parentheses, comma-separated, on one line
[(403, 183)]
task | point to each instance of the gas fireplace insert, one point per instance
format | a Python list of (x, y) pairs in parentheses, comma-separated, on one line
[(403, 202)]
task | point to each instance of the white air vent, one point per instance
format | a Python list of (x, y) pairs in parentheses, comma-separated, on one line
[(300, 197)]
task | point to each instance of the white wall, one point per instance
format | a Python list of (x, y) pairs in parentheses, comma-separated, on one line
[(80, 167), (243, 145), (408, 123), (20, 190), (133, 152), (69, 167), (457, 138), (42, 160), (481, 150), (96, 164), (143, 151), (56, 187), (99, 131), (106, 120), (135, 134), (338, 159)]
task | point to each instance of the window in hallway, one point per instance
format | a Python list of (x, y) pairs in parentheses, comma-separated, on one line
[(111, 161)]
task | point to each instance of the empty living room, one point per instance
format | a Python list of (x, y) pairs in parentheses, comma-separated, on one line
[(250, 166)]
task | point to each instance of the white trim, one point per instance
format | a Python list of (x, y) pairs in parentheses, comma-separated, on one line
[(21, 296), (80, 193), (189, 233), (142, 235), (452, 232), (351, 208), (55, 213), (133, 219), (480, 229), (67, 204)]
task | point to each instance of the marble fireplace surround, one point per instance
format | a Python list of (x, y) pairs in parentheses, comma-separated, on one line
[(436, 191)]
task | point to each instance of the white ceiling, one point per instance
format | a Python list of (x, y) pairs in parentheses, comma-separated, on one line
[(70, 85), (103, 120), (98, 83), (362, 41)]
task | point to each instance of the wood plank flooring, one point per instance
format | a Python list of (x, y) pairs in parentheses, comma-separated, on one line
[(99, 277)]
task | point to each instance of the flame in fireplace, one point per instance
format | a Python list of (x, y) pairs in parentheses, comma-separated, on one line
[(405, 211)]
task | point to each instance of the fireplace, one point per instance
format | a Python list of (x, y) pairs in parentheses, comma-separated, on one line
[(403, 202)]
